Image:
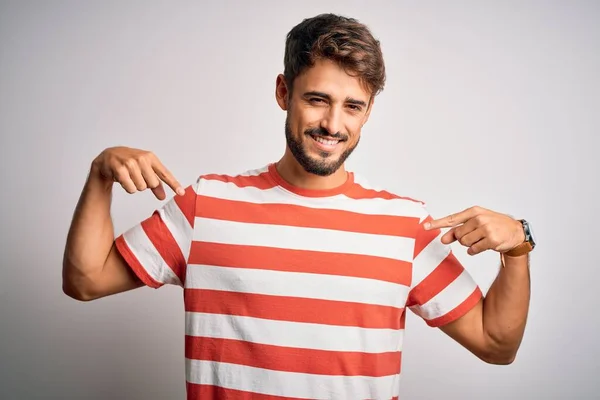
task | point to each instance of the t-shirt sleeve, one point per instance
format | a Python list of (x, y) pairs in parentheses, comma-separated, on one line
[(157, 248), (442, 290)]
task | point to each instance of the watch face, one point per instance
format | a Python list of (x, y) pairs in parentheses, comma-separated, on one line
[(528, 233)]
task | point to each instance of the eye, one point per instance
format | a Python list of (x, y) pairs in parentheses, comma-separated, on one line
[(354, 107), (316, 100)]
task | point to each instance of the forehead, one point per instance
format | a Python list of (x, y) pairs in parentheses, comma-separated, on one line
[(328, 77)]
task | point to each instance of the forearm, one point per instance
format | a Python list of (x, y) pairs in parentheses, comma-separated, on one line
[(90, 236), (505, 308)]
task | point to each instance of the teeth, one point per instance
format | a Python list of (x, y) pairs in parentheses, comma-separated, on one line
[(325, 141)]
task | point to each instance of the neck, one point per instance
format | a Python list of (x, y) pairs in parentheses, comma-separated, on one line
[(293, 173)]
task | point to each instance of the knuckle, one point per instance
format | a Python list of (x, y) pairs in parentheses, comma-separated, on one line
[(142, 185), (141, 161), (480, 210), (109, 160), (113, 152), (480, 219), (131, 163), (121, 173), (153, 183), (146, 156)]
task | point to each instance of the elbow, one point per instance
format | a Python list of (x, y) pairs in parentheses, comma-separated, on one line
[(499, 353), (500, 348), (76, 293), (499, 358), (77, 288)]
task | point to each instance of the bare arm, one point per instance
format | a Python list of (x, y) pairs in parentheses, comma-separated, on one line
[(494, 328), (92, 266)]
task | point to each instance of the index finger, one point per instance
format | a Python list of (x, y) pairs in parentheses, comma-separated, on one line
[(167, 177), (451, 220)]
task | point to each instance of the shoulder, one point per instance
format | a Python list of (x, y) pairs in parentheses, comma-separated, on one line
[(400, 203), (258, 177), (365, 188), (224, 177)]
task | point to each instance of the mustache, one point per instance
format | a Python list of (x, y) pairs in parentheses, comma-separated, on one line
[(325, 133)]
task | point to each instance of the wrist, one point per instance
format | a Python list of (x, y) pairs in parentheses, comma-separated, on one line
[(525, 240), (522, 249), (509, 261), (97, 180)]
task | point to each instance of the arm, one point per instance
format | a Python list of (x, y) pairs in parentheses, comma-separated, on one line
[(494, 328), (92, 266)]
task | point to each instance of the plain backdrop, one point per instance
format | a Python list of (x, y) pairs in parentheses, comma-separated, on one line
[(494, 104)]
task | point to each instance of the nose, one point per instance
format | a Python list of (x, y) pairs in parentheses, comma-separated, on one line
[(332, 120)]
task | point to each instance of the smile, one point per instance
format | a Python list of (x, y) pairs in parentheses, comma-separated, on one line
[(325, 144), (328, 142)]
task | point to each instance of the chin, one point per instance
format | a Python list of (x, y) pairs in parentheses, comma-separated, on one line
[(322, 164), (314, 160)]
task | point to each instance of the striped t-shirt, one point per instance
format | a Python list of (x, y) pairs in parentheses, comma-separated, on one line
[(297, 294)]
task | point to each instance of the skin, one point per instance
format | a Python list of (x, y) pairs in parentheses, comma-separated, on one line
[(92, 266), (325, 101), (323, 98), (494, 328)]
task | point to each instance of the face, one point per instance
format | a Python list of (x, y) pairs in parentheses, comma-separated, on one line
[(325, 114)]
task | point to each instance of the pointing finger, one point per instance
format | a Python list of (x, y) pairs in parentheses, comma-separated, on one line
[(451, 220), (446, 222), (166, 176), (462, 232)]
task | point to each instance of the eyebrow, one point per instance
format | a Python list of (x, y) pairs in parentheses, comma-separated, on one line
[(328, 97)]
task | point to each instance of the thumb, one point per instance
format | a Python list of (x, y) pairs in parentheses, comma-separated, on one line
[(449, 236), (159, 192)]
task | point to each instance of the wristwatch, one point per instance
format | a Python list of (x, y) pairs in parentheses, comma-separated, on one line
[(525, 247)]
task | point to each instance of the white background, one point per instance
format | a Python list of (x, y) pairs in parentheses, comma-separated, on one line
[(488, 103)]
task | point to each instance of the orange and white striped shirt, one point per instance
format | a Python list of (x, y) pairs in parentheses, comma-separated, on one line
[(293, 293)]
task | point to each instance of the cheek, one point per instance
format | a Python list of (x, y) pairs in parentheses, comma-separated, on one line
[(309, 117), (299, 121), (354, 131)]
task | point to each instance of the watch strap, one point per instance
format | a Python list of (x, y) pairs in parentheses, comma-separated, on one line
[(520, 250)]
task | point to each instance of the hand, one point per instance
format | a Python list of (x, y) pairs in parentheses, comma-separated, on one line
[(136, 170), (480, 229)]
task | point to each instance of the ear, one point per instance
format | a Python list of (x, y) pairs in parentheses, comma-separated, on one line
[(281, 92)]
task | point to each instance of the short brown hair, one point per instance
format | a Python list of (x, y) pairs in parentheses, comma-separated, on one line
[(340, 39)]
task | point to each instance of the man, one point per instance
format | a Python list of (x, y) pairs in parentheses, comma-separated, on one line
[(297, 275)]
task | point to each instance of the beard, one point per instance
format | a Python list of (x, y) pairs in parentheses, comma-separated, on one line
[(324, 164)]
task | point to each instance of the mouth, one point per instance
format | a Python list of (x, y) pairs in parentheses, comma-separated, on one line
[(326, 144)]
